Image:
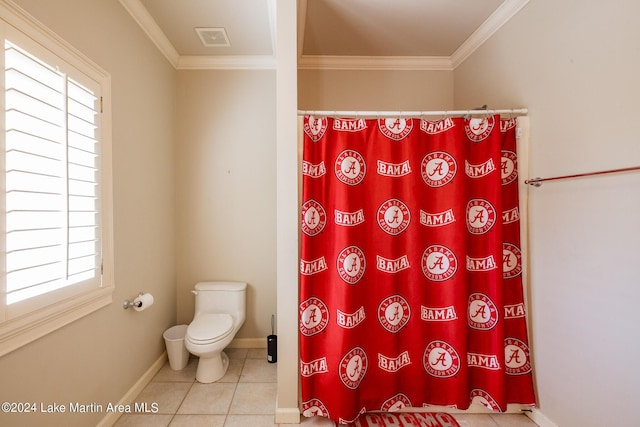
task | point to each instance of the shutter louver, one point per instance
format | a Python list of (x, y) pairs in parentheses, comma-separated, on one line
[(51, 178)]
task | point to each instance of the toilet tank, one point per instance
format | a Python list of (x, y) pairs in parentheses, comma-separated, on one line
[(222, 297)]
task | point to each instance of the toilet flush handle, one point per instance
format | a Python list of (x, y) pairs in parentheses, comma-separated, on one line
[(194, 292)]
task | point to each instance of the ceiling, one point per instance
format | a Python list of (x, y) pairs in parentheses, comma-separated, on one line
[(332, 34)]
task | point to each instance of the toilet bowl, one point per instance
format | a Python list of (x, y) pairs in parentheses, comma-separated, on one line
[(220, 310)]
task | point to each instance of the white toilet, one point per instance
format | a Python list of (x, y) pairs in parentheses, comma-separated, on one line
[(220, 312)]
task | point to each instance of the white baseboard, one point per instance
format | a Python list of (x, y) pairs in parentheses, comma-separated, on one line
[(249, 343), (287, 416), (539, 418), (111, 418)]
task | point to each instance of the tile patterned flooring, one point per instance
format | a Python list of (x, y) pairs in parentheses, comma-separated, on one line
[(244, 397)]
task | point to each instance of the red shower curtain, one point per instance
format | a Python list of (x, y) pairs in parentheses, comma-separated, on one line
[(410, 269)]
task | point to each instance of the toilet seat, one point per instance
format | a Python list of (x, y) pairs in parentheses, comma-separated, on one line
[(209, 327)]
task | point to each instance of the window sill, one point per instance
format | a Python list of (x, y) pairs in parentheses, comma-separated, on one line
[(21, 331)]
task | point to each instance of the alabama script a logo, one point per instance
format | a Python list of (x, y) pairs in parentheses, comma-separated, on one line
[(350, 167), (483, 313), (481, 216), (315, 127), (395, 129), (478, 129), (440, 359), (393, 216), (508, 167), (395, 403), (314, 316), (353, 367), (484, 398), (314, 218), (439, 263), (313, 408), (438, 168), (511, 261), (351, 264), (516, 357), (394, 313)]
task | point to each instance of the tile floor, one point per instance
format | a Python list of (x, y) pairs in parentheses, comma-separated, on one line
[(244, 397)]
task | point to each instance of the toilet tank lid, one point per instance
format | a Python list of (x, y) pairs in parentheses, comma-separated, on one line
[(221, 286)]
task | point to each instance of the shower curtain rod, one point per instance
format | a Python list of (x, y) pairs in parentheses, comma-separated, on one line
[(537, 182), (374, 114)]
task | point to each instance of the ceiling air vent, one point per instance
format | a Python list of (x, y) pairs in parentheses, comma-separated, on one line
[(213, 37)]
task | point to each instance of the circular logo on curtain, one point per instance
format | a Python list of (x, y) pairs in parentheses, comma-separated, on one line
[(478, 129), (315, 127), (395, 129), (483, 313), (314, 316), (480, 216), (441, 359), (439, 263), (314, 218), (508, 167), (516, 357), (353, 367), (314, 407), (351, 264), (350, 167), (511, 261), (393, 216), (395, 403), (481, 396), (438, 168), (394, 313)]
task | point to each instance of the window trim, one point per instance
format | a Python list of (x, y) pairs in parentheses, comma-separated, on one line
[(17, 332)]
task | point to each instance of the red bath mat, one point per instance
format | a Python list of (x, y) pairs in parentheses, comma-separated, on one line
[(406, 419)]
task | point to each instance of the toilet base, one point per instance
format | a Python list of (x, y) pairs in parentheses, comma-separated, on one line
[(211, 369)]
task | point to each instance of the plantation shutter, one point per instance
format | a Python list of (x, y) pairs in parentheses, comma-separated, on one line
[(51, 179)]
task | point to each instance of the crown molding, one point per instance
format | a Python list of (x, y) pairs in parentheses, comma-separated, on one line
[(328, 62), (226, 62), (323, 62), (492, 24), (144, 19)]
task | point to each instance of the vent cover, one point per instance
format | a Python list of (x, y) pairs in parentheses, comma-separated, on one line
[(213, 37)]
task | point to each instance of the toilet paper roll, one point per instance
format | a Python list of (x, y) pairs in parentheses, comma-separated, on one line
[(142, 302)]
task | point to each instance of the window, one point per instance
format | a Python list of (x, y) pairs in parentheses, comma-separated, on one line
[(57, 258)]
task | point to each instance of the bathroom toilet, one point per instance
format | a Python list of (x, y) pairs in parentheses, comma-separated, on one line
[(220, 311)]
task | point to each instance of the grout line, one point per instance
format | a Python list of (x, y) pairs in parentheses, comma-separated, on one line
[(235, 390), (182, 401)]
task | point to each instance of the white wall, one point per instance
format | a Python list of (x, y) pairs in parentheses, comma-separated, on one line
[(375, 90), (575, 65), (99, 357), (225, 164)]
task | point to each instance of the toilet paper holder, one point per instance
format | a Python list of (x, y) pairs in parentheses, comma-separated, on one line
[(126, 304)]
